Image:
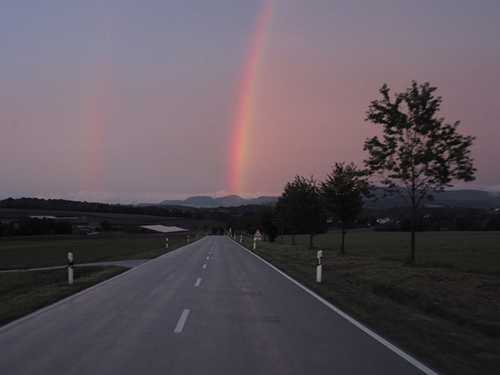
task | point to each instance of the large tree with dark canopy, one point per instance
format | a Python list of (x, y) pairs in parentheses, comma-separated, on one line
[(343, 192), (300, 207), (419, 153)]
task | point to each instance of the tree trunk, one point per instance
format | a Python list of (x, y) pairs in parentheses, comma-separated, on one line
[(282, 232), (411, 260), (293, 237), (343, 239), (311, 235)]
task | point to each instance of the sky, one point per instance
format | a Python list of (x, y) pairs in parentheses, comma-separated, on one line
[(131, 102)]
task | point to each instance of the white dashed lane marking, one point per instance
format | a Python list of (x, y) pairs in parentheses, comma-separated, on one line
[(182, 321)]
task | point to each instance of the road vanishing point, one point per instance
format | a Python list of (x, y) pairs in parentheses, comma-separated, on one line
[(211, 307)]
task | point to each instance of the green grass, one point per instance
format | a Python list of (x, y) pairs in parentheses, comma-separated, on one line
[(475, 252), (45, 253), (8, 213), (436, 309), (22, 293)]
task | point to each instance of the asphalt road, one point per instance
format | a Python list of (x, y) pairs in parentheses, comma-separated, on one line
[(210, 307)]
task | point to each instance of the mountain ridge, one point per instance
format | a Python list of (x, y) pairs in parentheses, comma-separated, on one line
[(450, 198), (205, 201)]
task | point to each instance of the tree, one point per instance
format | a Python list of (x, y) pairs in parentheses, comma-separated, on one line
[(279, 217), (300, 207), (343, 192), (419, 154), (264, 220)]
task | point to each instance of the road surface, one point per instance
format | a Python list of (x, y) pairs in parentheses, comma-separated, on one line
[(210, 307)]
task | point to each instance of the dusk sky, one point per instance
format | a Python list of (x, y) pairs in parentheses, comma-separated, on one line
[(131, 102)]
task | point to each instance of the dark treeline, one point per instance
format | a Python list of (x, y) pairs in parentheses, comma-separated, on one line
[(25, 225), (224, 214), (249, 218), (433, 219), (264, 218), (28, 226), (75, 206)]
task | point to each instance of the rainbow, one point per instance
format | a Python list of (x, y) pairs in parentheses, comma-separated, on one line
[(238, 153)]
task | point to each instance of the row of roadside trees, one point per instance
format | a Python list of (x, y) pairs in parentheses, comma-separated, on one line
[(418, 155), (306, 203)]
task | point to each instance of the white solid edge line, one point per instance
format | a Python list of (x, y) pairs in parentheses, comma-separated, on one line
[(182, 321), (351, 320), (55, 304)]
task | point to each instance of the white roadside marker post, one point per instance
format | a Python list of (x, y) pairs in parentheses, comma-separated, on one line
[(320, 266), (241, 238), (254, 243), (166, 243), (188, 239), (70, 268)]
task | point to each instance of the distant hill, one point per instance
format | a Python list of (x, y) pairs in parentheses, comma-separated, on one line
[(451, 198), (209, 202)]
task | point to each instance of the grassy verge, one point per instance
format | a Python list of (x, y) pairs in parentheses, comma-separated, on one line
[(38, 253), (449, 317), (471, 252), (22, 293)]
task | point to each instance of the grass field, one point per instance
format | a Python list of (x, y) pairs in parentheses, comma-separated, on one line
[(46, 253), (475, 252), (119, 222), (22, 293), (437, 308), (7, 213)]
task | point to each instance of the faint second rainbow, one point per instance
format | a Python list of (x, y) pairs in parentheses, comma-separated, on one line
[(238, 153), (93, 139)]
